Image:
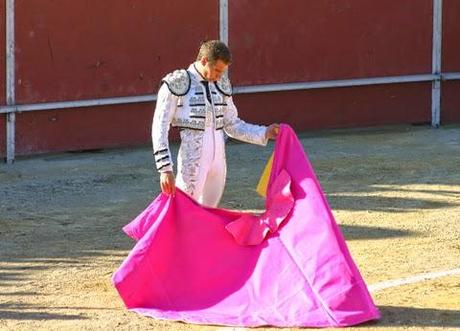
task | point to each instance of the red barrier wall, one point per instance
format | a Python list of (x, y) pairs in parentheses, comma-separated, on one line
[(341, 107), (2, 135), (450, 102), (451, 36), (294, 40), (83, 128), (2, 77), (2, 55), (71, 50)]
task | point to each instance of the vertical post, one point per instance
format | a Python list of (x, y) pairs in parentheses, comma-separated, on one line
[(436, 65), (223, 29), (223, 21), (223, 24), (10, 82)]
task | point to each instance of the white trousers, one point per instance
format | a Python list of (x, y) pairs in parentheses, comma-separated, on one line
[(209, 182)]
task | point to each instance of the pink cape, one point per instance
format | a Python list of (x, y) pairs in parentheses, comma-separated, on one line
[(287, 267)]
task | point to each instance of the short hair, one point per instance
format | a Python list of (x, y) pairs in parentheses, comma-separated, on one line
[(215, 50)]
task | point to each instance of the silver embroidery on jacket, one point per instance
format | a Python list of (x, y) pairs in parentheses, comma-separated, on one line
[(239, 129), (164, 112), (224, 86), (178, 82), (193, 113)]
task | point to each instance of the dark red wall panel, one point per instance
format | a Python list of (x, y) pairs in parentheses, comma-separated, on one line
[(127, 125), (2, 78), (340, 107), (2, 135), (2, 53), (83, 128), (296, 40), (451, 36), (70, 50), (450, 102)]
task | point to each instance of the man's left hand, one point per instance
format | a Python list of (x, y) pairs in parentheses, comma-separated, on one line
[(272, 131)]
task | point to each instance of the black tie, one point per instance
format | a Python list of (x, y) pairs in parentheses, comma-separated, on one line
[(208, 92)]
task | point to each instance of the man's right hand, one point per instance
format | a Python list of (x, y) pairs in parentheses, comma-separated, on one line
[(167, 183)]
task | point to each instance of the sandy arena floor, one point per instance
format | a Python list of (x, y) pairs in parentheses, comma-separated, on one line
[(395, 192)]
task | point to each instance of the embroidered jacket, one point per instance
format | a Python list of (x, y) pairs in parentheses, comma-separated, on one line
[(184, 101)]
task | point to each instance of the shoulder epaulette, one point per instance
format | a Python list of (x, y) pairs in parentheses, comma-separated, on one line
[(178, 82), (224, 86)]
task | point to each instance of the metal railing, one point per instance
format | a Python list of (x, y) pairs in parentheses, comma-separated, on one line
[(12, 108)]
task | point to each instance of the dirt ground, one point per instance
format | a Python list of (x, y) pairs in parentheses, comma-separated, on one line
[(395, 192)]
